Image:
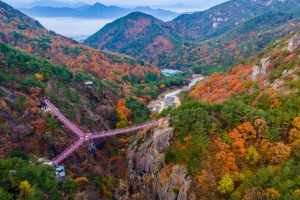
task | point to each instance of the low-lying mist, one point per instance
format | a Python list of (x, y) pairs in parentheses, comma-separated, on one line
[(75, 28)]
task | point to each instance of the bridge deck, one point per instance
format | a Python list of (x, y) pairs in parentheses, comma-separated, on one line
[(83, 137)]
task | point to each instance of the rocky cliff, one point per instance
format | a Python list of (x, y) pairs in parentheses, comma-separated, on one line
[(262, 69), (294, 43), (149, 177)]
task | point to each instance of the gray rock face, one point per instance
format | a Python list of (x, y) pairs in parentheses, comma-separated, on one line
[(262, 69), (149, 177), (150, 155), (178, 180), (287, 72), (294, 43), (277, 84)]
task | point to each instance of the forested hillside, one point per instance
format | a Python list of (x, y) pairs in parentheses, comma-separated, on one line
[(208, 41), (31, 180), (25, 128), (238, 132), (219, 19), (37, 63), (27, 34), (22, 32)]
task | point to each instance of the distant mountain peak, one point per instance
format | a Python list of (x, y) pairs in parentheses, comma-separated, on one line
[(96, 11), (53, 3), (99, 4)]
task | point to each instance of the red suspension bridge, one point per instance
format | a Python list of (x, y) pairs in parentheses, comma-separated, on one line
[(84, 137)]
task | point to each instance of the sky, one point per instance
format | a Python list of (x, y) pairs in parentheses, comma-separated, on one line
[(128, 2)]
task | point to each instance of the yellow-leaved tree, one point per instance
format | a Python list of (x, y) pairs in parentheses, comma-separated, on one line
[(252, 155), (39, 76), (25, 190), (294, 134), (226, 184)]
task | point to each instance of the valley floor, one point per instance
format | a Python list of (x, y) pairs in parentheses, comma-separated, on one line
[(170, 97)]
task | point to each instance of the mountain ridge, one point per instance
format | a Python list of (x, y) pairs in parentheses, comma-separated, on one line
[(191, 31), (95, 11), (53, 3)]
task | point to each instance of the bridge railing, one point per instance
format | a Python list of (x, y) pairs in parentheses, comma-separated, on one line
[(68, 151), (84, 137), (125, 130), (63, 119)]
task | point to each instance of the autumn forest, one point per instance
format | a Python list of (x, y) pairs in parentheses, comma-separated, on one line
[(234, 135)]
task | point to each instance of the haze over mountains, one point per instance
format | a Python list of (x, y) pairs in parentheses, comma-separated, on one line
[(175, 6), (95, 11), (52, 3), (80, 20)]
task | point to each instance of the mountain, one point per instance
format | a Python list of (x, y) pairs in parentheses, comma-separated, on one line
[(37, 63), (202, 39), (223, 17), (243, 145), (99, 10), (196, 7), (40, 11), (133, 27), (118, 71), (53, 3), (236, 134), (245, 40), (96, 11)]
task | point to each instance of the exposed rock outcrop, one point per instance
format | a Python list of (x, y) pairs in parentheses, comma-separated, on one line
[(262, 69), (294, 43), (177, 184), (280, 81), (149, 177)]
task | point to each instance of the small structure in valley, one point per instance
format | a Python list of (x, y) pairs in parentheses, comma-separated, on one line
[(170, 101), (88, 83), (155, 106), (170, 72)]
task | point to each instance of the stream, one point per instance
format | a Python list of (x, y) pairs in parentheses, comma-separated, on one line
[(170, 97)]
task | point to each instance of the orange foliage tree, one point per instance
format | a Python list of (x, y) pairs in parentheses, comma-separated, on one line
[(82, 182), (123, 114), (225, 157), (240, 134), (274, 153)]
